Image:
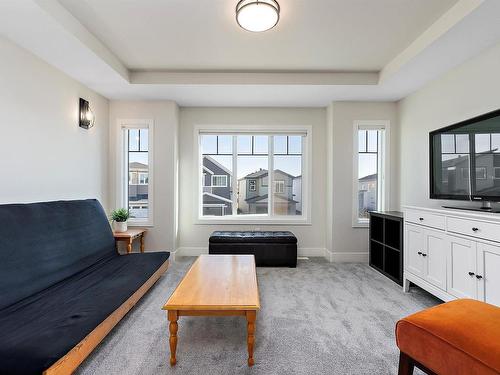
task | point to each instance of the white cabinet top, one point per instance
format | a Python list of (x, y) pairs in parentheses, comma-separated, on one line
[(486, 216)]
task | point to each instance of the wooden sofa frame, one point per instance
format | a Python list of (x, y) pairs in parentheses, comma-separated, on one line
[(70, 362)]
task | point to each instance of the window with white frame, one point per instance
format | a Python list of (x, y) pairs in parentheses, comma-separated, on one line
[(370, 168), (241, 163), (136, 156), (279, 186), (496, 170), (219, 181), (481, 173), (252, 185), (143, 178)]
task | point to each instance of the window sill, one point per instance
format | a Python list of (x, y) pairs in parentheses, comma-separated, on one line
[(251, 221), (145, 224), (361, 224)]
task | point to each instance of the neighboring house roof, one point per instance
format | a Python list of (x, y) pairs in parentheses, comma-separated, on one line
[(462, 159), (217, 163), (137, 165), (370, 177), (215, 196), (455, 162), (208, 170), (263, 173), (262, 197)]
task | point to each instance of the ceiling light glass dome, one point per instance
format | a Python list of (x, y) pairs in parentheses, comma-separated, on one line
[(257, 15)]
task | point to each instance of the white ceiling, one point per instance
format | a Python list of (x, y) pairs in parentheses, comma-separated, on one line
[(192, 51), (332, 35)]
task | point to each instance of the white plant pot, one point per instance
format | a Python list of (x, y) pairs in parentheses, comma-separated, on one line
[(120, 226)]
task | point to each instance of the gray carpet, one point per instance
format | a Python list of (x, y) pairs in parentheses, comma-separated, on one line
[(320, 318)]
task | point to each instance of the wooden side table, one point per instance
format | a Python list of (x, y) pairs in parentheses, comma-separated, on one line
[(129, 236)]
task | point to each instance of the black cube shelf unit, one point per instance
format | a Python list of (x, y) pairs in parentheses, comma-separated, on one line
[(386, 244)]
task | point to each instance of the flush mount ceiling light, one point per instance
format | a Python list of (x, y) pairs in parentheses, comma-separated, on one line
[(257, 15)]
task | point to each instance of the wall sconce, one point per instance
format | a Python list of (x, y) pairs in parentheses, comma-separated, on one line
[(87, 118)]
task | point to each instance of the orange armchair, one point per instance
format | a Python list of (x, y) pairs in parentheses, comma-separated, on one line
[(461, 337)]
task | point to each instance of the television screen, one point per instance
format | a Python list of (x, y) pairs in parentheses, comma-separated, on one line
[(465, 160)]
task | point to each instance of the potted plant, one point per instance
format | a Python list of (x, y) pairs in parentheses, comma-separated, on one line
[(120, 217)]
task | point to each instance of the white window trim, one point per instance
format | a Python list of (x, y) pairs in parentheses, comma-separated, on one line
[(466, 176), (384, 178), (495, 169), (215, 176), (280, 183), (304, 219), (122, 170), (215, 196), (139, 174), (252, 185), (485, 173)]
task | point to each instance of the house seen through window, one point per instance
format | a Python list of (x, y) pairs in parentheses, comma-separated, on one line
[(370, 167), (137, 165), (236, 180)]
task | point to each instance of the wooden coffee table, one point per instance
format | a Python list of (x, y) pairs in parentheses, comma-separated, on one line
[(220, 285)]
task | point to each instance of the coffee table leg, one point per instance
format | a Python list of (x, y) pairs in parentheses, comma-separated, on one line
[(172, 317), (251, 314)]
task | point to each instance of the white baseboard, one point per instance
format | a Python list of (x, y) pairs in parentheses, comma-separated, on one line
[(301, 251), (347, 257), (337, 257), (311, 252)]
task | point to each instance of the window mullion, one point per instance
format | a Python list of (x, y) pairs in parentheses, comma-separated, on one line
[(380, 171), (270, 176), (125, 166), (234, 178)]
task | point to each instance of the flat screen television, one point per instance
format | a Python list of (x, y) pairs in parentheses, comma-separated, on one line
[(465, 160)]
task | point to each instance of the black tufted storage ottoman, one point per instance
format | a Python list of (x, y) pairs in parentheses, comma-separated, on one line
[(271, 249)]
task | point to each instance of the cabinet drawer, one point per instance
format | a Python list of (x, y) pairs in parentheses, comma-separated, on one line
[(425, 218), (474, 228)]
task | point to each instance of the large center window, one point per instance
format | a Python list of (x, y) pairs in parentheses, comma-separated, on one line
[(252, 176)]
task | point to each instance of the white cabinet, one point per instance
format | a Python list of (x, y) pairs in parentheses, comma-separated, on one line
[(462, 267), (414, 249), (488, 273), (426, 254), (435, 258), (453, 254)]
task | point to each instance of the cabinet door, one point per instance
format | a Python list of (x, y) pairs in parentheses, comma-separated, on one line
[(462, 268), (414, 249), (436, 250), (488, 273)]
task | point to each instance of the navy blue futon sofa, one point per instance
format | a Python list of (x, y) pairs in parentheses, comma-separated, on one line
[(63, 286)]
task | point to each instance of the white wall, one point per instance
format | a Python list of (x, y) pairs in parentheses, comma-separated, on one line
[(468, 90), (329, 180), (193, 237), (44, 154), (165, 116), (348, 243)]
